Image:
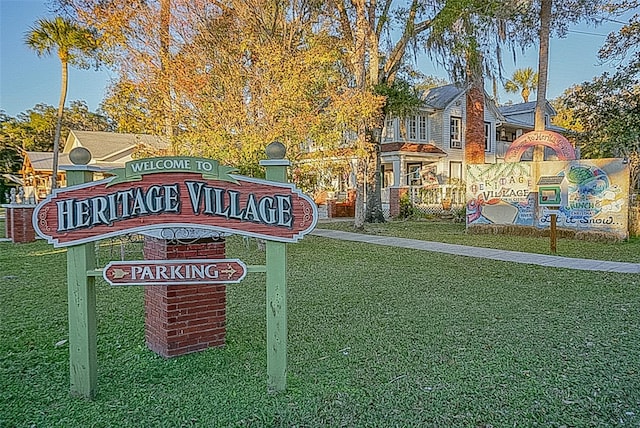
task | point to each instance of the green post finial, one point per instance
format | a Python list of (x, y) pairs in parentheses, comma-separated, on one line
[(80, 156), (276, 150)]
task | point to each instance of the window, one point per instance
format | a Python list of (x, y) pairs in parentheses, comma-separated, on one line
[(413, 128), (455, 170), (417, 126), (422, 127), (456, 133), (388, 130), (487, 136), (413, 178)]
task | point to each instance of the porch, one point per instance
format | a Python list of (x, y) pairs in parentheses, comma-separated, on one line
[(429, 200)]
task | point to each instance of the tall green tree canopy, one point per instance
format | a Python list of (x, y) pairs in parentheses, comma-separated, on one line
[(34, 129), (608, 107)]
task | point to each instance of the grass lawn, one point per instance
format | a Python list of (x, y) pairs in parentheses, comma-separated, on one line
[(454, 233), (377, 337)]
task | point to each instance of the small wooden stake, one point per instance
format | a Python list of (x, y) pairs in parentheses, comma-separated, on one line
[(552, 233)]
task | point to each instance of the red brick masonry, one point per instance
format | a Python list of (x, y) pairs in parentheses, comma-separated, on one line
[(19, 224), (180, 319), (395, 194)]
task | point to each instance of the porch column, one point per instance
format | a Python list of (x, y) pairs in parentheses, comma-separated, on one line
[(396, 173)]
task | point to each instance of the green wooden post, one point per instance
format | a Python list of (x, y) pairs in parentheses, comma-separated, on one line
[(83, 359), (276, 257)]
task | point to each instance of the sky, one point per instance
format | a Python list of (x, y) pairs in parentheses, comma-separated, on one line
[(27, 80)]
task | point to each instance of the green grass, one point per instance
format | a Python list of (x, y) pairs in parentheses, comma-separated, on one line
[(377, 337), (454, 233)]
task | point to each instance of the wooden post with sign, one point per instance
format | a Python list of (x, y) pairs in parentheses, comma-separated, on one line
[(550, 199), (167, 193), (81, 292), (276, 257)]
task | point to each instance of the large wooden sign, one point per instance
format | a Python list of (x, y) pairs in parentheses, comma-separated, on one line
[(174, 192), (174, 272)]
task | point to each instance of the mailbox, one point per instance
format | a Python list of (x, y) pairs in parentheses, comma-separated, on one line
[(550, 191)]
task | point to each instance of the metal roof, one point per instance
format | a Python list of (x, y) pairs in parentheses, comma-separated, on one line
[(442, 96), (43, 161), (105, 145)]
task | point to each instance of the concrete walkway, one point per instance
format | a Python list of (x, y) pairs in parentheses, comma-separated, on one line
[(484, 253)]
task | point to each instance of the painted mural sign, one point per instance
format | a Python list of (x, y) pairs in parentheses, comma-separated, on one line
[(174, 192), (174, 272), (593, 194), (500, 194)]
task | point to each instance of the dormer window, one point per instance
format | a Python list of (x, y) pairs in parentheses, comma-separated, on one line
[(456, 133)]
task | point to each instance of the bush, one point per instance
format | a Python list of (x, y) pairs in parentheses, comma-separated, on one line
[(407, 210)]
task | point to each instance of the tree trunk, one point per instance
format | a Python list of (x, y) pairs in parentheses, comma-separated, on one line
[(374, 212), (359, 56), (165, 59), (60, 113), (543, 67), (474, 138), (359, 216)]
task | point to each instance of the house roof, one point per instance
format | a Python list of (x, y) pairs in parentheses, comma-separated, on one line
[(106, 145), (440, 97), (43, 161), (508, 111), (513, 109)]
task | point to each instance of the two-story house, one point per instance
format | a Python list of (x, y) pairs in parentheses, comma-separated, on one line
[(426, 151)]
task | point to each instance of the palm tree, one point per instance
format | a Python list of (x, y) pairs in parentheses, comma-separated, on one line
[(73, 44), (524, 80), (543, 70)]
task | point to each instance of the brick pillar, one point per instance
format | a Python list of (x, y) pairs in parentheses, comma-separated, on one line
[(19, 223), (395, 194), (331, 208), (180, 319)]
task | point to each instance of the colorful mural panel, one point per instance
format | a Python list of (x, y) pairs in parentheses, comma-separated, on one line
[(594, 194), (500, 194)]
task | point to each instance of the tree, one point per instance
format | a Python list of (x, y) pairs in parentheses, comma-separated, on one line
[(565, 117), (608, 107), (524, 81), (468, 38), (538, 20), (34, 130), (374, 58), (243, 73), (73, 44), (543, 70), (9, 157)]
